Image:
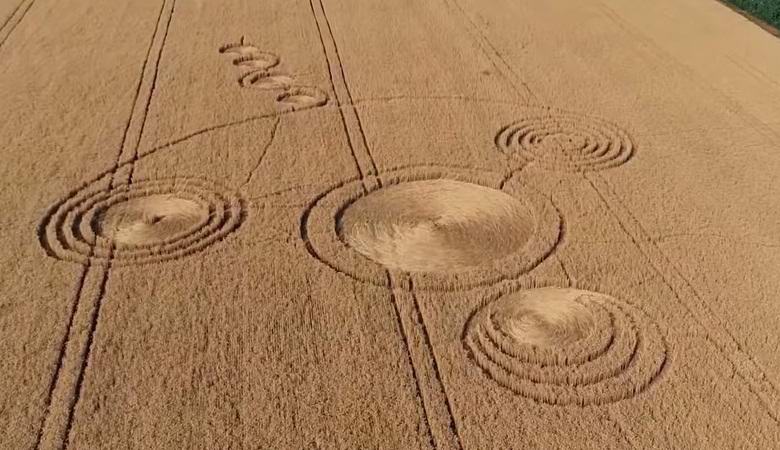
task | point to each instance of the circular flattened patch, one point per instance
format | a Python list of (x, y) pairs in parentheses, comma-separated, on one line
[(265, 81), (436, 225), (239, 49), (257, 61), (302, 97), (556, 140), (448, 229), (566, 346), (148, 221), (250, 57)]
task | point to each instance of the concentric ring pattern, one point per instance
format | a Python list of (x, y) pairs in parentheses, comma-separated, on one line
[(566, 346), (558, 140), (143, 222)]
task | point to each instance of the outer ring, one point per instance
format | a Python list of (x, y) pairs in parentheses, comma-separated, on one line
[(323, 242)]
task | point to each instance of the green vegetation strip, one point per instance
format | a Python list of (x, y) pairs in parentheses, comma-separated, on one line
[(767, 11)]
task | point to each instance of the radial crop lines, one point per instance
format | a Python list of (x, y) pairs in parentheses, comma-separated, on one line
[(452, 435), (743, 362), (401, 307), (729, 102), (60, 231), (58, 431), (86, 352), (491, 52), (167, 9), (145, 113), (67, 220), (268, 144), (551, 139), (61, 352), (111, 220), (326, 50), (349, 117), (442, 427), (8, 18), (14, 19), (433, 393), (206, 130)]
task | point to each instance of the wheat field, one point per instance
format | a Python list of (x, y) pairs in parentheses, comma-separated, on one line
[(438, 224)]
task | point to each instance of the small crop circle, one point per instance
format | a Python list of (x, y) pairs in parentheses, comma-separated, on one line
[(302, 97), (566, 346), (557, 140), (143, 222)]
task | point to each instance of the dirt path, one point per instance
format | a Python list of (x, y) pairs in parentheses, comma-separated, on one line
[(410, 224)]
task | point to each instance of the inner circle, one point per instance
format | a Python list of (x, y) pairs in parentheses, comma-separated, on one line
[(150, 219), (436, 225), (565, 142), (546, 319)]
